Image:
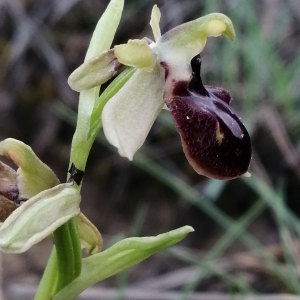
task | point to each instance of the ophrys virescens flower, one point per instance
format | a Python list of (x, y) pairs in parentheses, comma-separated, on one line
[(167, 71)]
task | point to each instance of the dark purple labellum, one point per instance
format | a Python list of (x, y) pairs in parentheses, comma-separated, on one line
[(215, 141)]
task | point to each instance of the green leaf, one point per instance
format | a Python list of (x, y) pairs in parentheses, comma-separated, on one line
[(119, 257), (101, 41), (106, 28)]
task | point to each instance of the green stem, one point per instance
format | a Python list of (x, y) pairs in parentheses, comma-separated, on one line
[(69, 264), (76, 246), (48, 283), (66, 238), (109, 92)]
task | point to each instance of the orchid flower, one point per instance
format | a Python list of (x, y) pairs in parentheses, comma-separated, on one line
[(167, 73), (33, 203)]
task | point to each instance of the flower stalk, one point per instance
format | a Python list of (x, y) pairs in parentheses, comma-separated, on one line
[(66, 238)]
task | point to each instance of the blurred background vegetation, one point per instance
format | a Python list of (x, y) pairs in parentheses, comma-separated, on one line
[(246, 239)]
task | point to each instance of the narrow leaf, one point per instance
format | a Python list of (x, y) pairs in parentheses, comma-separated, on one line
[(106, 29), (120, 256)]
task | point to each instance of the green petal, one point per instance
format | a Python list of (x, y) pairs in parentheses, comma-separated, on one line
[(38, 217), (136, 53), (33, 176), (94, 72), (129, 115), (120, 256), (154, 22)]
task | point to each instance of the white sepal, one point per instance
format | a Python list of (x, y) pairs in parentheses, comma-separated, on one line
[(129, 115)]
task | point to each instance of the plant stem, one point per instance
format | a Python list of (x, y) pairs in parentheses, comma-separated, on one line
[(49, 280), (69, 262), (66, 238)]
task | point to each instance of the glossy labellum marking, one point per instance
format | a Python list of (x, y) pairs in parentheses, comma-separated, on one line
[(215, 141)]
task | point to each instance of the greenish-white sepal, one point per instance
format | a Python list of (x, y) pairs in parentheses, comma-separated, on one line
[(33, 176), (136, 53), (90, 237), (154, 22), (129, 115), (120, 256), (94, 72), (178, 46), (105, 29), (38, 217)]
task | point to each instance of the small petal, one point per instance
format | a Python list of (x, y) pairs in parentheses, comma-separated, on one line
[(136, 53), (33, 176), (129, 115), (90, 237), (38, 217), (94, 72), (154, 22)]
